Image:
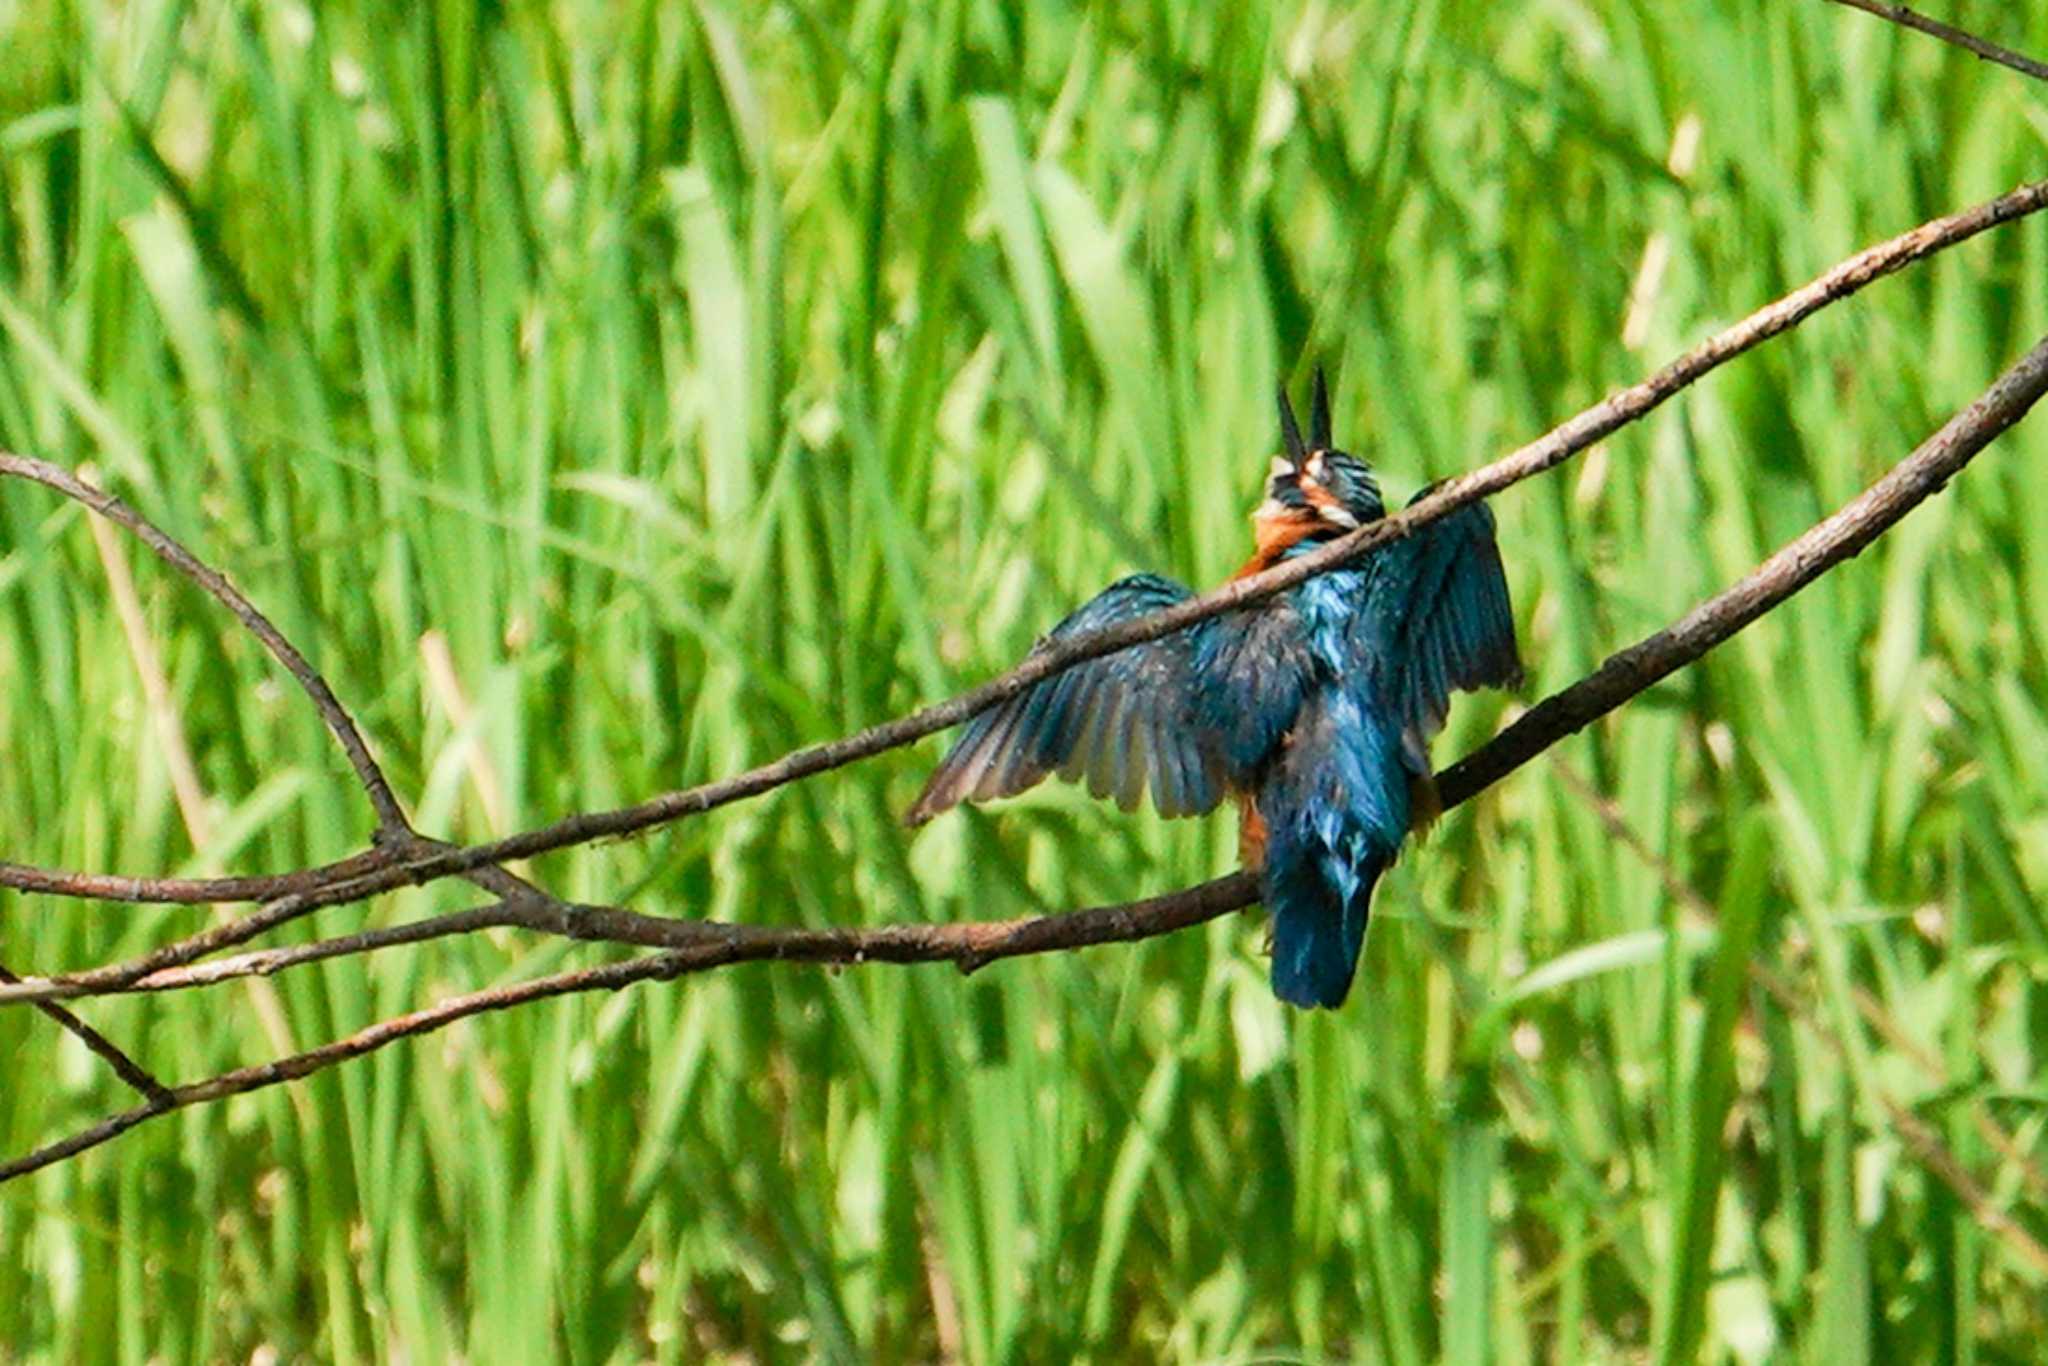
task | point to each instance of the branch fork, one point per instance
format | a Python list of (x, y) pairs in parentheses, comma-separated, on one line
[(399, 855)]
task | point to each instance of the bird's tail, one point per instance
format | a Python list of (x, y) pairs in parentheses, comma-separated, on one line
[(1319, 907)]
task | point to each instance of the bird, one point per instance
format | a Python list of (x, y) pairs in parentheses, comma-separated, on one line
[(1312, 710)]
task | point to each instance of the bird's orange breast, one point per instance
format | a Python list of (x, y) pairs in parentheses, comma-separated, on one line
[(1251, 833), (1275, 536)]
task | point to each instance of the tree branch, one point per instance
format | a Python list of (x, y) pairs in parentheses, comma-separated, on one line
[(1799, 563), (114, 978), (1948, 33), (700, 945), (390, 816), (129, 1070), (1548, 451), (22, 877), (402, 855)]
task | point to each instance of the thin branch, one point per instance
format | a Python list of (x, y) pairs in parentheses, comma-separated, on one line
[(390, 816), (1988, 1127), (969, 944), (1948, 33), (22, 877), (1925, 1144), (972, 945), (118, 977), (1562, 442), (708, 945), (115, 977), (1799, 563), (129, 1070), (268, 962), (1625, 674)]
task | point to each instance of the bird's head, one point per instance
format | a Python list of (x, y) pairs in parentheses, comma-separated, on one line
[(1315, 489)]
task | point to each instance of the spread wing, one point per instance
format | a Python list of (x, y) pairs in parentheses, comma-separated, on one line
[(1257, 668), (1125, 722), (1437, 619)]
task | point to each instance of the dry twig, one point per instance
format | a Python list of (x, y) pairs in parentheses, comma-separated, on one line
[(399, 855), (1948, 33), (125, 1067), (696, 946), (1552, 449), (389, 815)]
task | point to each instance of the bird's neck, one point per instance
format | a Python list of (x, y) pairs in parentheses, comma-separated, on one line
[(1273, 537)]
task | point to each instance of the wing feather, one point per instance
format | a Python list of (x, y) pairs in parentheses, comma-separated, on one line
[(1259, 667), (1125, 723), (1010, 755), (1134, 758), (1071, 711), (1175, 793), (1438, 620), (1025, 763)]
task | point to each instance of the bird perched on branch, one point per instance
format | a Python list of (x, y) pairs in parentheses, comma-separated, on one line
[(1313, 709)]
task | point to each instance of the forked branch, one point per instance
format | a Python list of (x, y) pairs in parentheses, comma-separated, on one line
[(370, 874), (696, 946), (399, 855)]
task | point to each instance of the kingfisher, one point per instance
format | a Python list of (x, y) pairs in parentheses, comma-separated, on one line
[(1312, 709)]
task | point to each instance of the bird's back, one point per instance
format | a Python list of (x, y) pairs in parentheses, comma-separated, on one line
[(1334, 801)]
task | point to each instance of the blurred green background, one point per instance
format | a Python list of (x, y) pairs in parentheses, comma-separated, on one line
[(611, 396)]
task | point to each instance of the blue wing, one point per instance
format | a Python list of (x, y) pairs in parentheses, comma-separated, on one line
[(1437, 619), (1255, 671), (1125, 722)]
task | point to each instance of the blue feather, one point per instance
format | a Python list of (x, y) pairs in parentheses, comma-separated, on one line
[(1124, 723), (1435, 619), (1070, 723), (1336, 810), (1335, 803), (1319, 704), (1251, 684)]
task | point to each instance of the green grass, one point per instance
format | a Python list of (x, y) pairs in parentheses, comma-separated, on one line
[(715, 380)]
